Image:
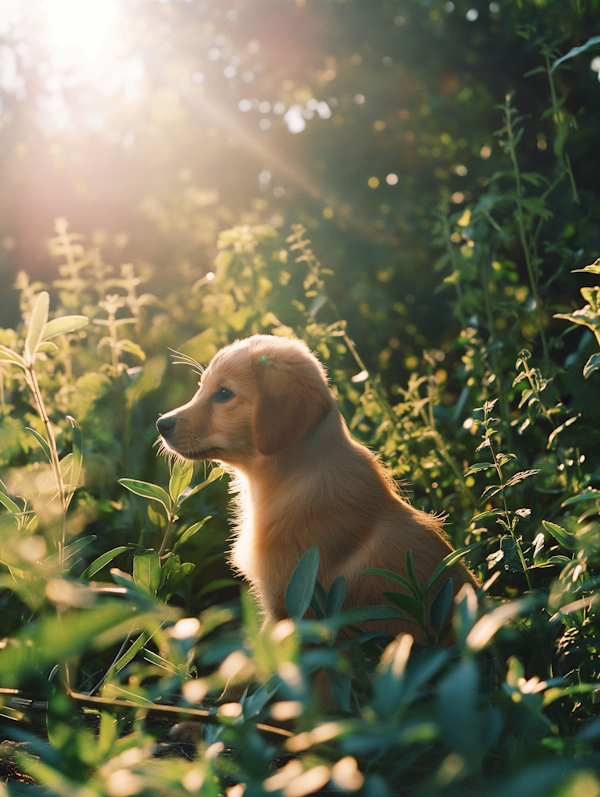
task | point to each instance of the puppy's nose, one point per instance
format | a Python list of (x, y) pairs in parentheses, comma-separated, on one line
[(165, 424)]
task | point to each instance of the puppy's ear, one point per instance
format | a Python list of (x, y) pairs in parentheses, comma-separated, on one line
[(292, 397)]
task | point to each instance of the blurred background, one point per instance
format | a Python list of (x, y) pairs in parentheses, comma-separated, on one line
[(152, 125)]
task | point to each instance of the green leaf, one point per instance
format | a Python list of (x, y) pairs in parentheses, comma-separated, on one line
[(9, 504), (488, 513), (449, 561), (10, 356), (489, 492), (164, 664), (408, 604), (131, 348), (42, 441), (568, 541), (593, 364), (376, 571), (47, 347), (477, 468), (457, 710), (78, 545), (362, 614), (66, 467), (318, 601), (561, 428), (147, 490), (411, 574), (341, 687), (336, 597), (215, 474), (581, 318), (521, 476), (576, 51), (146, 571), (586, 495), (299, 591), (189, 533), (181, 476), (441, 605), (593, 268), (63, 325), (103, 560), (128, 655), (37, 322)]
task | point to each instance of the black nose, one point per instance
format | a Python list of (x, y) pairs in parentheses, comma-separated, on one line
[(165, 424)]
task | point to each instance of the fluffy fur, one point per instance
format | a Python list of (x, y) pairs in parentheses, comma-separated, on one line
[(301, 479)]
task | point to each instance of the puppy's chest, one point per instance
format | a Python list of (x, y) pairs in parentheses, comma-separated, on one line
[(262, 552)]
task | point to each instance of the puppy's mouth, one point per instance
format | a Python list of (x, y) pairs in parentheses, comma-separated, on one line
[(196, 454)]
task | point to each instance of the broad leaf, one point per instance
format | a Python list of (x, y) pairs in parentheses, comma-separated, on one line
[(37, 322), (215, 474), (102, 561), (42, 441), (61, 326), (376, 571), (9, 504), (586, 495), (147, 490), (411, 574), (302, 584), (341, 687), (449, 561), (131, 348), (441, 605), (409, 605), (10, 356), (77, 546), (480, 466), (181, 476), (146, 571), (189, 533), (593, 364), (567, 540), (336, 597), (576, 51)]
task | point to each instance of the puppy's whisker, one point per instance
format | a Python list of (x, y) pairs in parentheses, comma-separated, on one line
[(185, 359)]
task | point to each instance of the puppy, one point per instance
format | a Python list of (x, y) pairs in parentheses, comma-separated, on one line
[(265, 410)]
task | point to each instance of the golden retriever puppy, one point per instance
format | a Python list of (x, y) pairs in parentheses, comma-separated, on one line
[(264, 409)]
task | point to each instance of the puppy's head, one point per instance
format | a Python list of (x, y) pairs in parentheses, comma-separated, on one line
[(257, 396)]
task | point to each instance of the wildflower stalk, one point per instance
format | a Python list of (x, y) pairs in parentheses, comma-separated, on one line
[(497, 459), (513, 138)]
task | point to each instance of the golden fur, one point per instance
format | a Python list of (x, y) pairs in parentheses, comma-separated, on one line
[(301, 479)]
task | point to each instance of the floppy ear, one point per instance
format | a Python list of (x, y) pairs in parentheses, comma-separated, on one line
[(291, 399)]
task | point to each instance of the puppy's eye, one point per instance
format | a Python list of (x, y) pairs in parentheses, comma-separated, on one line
[(223, 395)]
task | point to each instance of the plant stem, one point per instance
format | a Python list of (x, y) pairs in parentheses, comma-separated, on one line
[(32, 381), (564, 160), (172, 519), (520, 219)]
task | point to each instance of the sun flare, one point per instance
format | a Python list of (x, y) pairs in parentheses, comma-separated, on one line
[(80, 24)]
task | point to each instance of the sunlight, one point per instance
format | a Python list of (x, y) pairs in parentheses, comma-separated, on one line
[(80, 24)]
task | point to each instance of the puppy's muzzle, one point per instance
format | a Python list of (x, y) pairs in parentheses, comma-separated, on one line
[(166, 424)]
